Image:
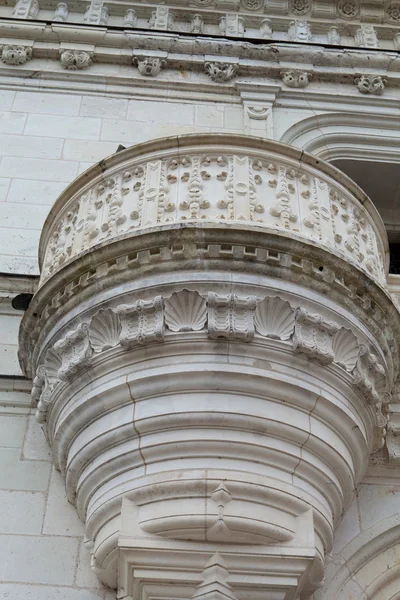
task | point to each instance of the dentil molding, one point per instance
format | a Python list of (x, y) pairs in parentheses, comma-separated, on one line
[(214, 353)]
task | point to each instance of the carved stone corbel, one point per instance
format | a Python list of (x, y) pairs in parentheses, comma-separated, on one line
[(220, 72), (15, 55), (75, 60), (296, 79), (149, 66), (370, 84)]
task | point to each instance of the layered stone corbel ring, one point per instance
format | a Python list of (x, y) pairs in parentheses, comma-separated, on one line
[(213, 351)]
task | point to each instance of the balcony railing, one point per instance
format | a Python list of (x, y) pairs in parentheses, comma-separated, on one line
[(208, 179)]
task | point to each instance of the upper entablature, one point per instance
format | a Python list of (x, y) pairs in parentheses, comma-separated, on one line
[(267, 19)]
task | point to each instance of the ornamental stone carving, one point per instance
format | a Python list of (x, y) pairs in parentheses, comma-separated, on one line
[(162, 19), (299, 31), (197, 24), (296, 79), (186, 284), (348, 9), (392, 12), (74, 60), (96, 13), (313, 337), (232, 25), (15, 55), (26, 9), (300, 7), (130, 18), (61, 13), (334, 36), (220, 72), (366, 37), (370, 84), (149, 66), (266, 28)]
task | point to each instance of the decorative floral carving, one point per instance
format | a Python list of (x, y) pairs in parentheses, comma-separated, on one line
[(15, 55), (74, 60), (299, 31), (231, 317), (369, 376), (61, 12), (345, 348), (313, 336), (392, 12), (275, 318), (104, 330), (26, 9), (141, 322), (300, 7), (149, 66), (296, 79), (348, 9), (370, 84), (252, 4), (220, 71), (75, 352), (366, 37), (130, 18), (185, 311)]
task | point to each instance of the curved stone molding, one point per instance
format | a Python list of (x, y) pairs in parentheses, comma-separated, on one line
[(213, 352), (234, 180)]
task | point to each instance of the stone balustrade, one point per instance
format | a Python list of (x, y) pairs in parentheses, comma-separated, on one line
[(213, 352), (217, 179)]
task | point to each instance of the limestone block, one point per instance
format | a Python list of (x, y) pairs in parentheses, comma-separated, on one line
[(47, 103), (60, 517), (31, 217), (21, 512), (13, 591), (7, 99), (30, 146), (39, 169), (34, 559), (12, 122), (22, 475), (38, 192), (377, 502), (99, 106), (35, 445), (12, 429), (8, 352), (88, 151), (80, 128), (4, 187), (175, 113), (209, 115)]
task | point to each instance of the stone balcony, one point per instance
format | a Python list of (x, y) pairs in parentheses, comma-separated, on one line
[(213, 351)]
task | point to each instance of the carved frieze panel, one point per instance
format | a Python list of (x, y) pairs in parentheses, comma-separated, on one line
[(216, 187), (313, 336), (231, 317), (369, 375), (141, 322)]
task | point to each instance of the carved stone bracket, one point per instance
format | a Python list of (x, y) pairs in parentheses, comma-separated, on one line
[(15, 55), (220, 71), (296, 79), (149, 66), (370, 84), (74, 60)]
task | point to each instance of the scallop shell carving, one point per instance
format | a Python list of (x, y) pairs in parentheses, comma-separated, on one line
[(185, 311), (345, 347), (275, 318), (104, 330), (52, 364)]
